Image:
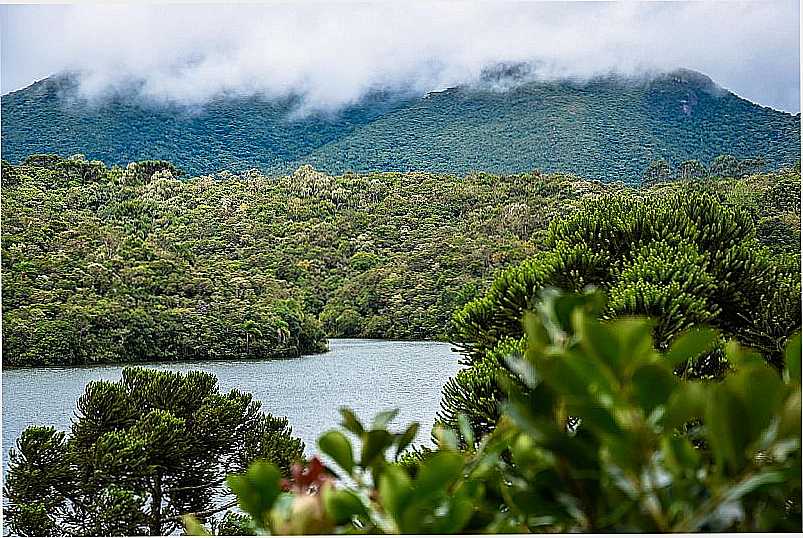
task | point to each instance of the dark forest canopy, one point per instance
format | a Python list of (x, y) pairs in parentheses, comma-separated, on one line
[(608, 129), (139, 263)]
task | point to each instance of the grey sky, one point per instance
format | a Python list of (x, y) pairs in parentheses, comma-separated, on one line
[(333, 53)]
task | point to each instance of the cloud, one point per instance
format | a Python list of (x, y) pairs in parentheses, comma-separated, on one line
[(334, 53)]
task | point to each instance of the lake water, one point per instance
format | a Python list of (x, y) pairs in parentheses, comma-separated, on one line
[(366, 375)]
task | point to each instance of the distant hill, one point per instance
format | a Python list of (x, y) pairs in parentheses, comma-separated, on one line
[(609, 129)]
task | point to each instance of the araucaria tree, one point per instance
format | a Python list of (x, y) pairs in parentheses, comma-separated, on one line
[(142, 452), (684, 259)]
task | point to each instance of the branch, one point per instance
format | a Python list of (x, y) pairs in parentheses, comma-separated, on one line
[(200, 486), (205, 513)]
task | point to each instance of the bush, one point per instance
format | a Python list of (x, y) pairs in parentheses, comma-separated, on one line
[(597, 435)]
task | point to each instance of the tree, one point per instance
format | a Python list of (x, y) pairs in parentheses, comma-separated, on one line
[(752, 165), (726, 166), (658, 171), (150, 267), (142, 452), (683, 259), (692, 169), (732, 167)]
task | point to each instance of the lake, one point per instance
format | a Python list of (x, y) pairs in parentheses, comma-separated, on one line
[(366, 375)]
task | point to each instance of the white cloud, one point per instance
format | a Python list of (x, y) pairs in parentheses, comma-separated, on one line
[(333, 53)]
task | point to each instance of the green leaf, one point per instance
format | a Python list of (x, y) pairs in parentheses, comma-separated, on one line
[(465, 429), (445, 437), (528, 455), (374, 444), (257, 489), (761, 390), (740, 356), (727, 426), (458, 512), (193, 527), (635, 339), (686, 403), (343, 505), (335, 445), (679, 454), (351, 422), (382, 419), (404, 439), (524, 417), (394, 490), (691, 344), (792, 360), (652, 386), (524, 369), (438, 473), (599, 341), (790, 423), (537, 336)]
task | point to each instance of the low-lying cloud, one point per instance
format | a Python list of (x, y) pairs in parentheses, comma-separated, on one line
[(332, 54)]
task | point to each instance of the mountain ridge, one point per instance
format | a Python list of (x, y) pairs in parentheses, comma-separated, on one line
[(608, 128)]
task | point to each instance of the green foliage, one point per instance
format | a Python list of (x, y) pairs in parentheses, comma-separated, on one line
[(597, 435), (607, 128), (474, 393), (108, 265), (142, 452), (682, 258), (125, 268), (723, 166), (658, 170)]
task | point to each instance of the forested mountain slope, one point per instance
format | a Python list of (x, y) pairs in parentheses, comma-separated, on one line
[(609, 129), (127, 264)]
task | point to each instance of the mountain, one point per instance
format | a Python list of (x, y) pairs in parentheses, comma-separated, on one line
[(609, 128)]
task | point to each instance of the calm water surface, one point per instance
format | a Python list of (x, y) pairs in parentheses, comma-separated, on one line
[(366, 375)]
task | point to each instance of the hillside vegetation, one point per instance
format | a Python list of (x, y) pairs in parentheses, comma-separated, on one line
[(681, 257), (130, 264), (608, 129)]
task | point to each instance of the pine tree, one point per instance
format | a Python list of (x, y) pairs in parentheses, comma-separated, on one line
[(142, 452), (684, 259)]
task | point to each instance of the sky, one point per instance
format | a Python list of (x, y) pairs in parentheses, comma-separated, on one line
[(333, 53)]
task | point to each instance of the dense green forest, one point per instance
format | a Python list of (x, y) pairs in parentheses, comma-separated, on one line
[(608, 128), (129, 264), (126, 264)]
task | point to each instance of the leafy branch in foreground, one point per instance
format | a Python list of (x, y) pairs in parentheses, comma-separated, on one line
[(604, 438)]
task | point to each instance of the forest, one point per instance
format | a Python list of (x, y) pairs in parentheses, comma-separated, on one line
[(631, 355), (111, 264)]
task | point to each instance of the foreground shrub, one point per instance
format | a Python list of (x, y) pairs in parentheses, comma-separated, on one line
[(143, 451), (603, 438)]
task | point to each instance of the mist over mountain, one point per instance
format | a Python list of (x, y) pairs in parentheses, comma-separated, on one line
[(607, 128)]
